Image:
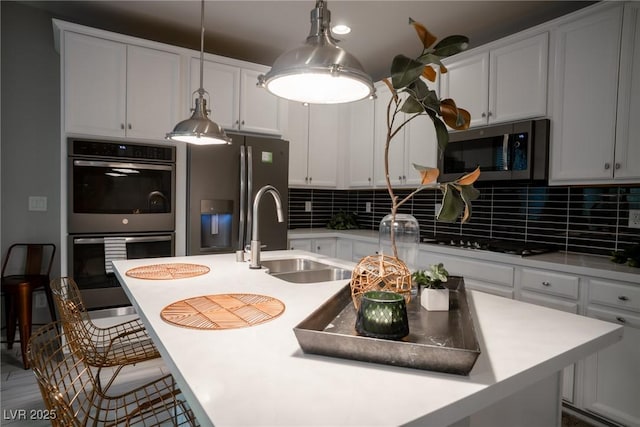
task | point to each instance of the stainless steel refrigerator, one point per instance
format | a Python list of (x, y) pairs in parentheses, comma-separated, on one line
[(221, 183)]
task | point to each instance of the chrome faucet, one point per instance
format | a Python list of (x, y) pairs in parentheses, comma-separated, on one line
[(255, 240)]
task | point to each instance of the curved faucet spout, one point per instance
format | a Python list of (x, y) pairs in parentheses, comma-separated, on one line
[(255, 239)]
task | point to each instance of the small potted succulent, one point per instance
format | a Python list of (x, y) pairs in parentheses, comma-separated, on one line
[(434, 296)]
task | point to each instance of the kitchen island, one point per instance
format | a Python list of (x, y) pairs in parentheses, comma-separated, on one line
[(259, 375)]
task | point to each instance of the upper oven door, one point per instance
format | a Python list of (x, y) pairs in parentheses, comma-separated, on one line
[(111, 196)]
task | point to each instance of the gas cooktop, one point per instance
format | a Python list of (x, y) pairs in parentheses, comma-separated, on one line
[(493, 245)]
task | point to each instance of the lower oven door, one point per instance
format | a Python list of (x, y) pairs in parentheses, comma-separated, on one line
[(99, 289)]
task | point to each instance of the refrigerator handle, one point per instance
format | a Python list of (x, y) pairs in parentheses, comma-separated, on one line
[(243, 197), (249, 192)]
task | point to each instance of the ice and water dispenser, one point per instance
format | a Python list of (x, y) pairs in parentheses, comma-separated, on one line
[(216, 223)]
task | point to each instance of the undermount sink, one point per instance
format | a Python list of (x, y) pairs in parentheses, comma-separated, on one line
[(302, 270)]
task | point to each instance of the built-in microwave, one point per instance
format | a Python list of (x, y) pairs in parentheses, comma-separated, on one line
[(505, 152)]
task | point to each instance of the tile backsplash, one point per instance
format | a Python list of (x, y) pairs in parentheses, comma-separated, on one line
[(577, 219)]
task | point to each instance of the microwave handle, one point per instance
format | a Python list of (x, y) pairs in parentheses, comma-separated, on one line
[(133, 239)]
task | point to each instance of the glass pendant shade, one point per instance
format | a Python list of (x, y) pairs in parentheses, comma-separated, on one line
[(318, 72)]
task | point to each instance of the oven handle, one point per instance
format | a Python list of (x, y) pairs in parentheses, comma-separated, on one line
[(136, 239), (145, 166)]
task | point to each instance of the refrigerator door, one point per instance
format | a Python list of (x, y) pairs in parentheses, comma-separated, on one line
[(213, 197), (268, 164)]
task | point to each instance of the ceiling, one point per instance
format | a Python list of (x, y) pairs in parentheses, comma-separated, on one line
[(259, 31)]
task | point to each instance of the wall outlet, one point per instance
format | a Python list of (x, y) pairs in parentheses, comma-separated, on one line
[(367, 207), (634, 218), (307, 206), (41, 301), (38, 203)]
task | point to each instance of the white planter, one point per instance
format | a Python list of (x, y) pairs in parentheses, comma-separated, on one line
[(434, 299)]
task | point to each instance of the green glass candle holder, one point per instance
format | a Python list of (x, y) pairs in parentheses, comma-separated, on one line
[(382, 314)]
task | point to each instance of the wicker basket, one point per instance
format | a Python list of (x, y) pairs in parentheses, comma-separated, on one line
[(380, 273)]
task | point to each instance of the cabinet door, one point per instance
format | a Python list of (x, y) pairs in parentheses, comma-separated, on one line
[(298, 136), (627, 166), (325, 247), (222, 82), (421, 147), (323, 145), (396, 147), (518, 80), (259, 109), (585, 98), (467, 82), (95, 72), (153, 92), (361, 130), (612, 375), (300, 244)]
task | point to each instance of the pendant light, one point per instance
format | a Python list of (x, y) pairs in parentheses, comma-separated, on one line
[(318, 72), (199, 129)]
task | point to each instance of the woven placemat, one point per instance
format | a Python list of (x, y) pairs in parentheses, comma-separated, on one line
[(167, 271), (223, 311)]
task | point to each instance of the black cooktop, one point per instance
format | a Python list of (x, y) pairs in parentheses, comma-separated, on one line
[(493, 245)]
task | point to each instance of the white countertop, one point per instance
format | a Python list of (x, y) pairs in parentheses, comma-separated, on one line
[(576, 263), (260, 376)]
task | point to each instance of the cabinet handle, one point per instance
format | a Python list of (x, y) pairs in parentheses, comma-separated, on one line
[(483, 115), (618, 165), (490, 114), (369, 179), (621, 319), (545, 283), (404, 178), (121, 125), (317, 248), (607, 166), (623, 298), (310, 178), (399, 178), (242, 123), (129, 126)]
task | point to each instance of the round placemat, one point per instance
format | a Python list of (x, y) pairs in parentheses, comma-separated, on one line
[(167, 271), (223, 311)]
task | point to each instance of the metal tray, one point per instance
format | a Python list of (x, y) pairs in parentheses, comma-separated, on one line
[(442, 341)]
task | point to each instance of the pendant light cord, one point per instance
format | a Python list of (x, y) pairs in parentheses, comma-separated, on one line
[(201, 90)]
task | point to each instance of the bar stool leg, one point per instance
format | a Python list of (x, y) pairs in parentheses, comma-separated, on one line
[(24, 304), (9, 301)]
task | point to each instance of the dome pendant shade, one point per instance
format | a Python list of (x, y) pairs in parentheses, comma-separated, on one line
[(198, 129), (318, 72)]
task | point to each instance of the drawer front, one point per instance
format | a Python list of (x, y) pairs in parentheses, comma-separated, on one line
[(469, 269), (615, 316), (615, 294), (551, 302), (490, 288), (550, 283)]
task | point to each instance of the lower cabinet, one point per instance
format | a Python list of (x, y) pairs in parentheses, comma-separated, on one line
[(322, 246), (612, 376)]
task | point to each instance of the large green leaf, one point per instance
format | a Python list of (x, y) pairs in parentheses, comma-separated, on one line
[(431, 102), (452, 205), (412, 106), (429, 58), (418, 89), (405, 71), (451, 45), (441, 133)]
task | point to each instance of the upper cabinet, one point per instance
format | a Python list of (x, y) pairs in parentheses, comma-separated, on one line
[(415, 143), (506, 83), (361, 127), (235, 101), (119, 90), (313, 134), (595, 131)]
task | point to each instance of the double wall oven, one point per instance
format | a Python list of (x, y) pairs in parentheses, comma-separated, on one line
[(121, 205)]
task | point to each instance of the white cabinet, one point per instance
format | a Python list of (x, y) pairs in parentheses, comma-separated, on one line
[(313, 135), (119, 90), (554, 290), (627, 147), (361, 147), (506, 83), (414, 143), (612, 376), (236, 103), (324, 246), (585, 99)]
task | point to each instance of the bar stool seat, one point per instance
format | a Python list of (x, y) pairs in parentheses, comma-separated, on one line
[(18, 289)]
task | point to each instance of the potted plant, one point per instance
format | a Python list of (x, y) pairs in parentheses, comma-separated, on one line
[(434, 296)]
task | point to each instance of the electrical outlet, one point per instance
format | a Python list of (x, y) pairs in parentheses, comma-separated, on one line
[(367, 207), (41, 301), (307, 206), (634, 218)]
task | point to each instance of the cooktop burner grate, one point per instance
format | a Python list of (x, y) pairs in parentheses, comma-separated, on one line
[(493, 245)]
